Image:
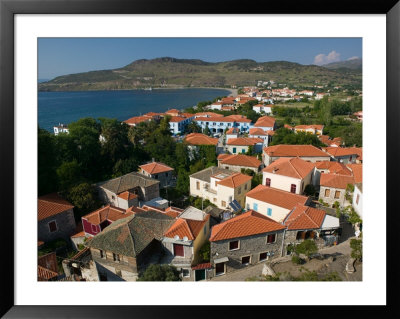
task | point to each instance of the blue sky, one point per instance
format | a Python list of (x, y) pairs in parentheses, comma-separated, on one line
[(60, 56)]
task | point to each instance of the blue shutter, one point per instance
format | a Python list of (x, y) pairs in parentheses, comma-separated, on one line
[(269, 211), (255, 207)]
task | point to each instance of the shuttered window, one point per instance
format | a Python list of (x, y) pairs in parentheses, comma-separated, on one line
[(293, 188), (271, 238), (267, 182), (178, 250)]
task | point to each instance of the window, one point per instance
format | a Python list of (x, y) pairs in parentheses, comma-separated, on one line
[(223, 203), (219, 269), (53, 226), (247, 206), (230, 198), (293, 188), (267, 182), (214, 200), (358, 198), (197, 185), (185, 272), (327, 192), (94, 229), (234, 150), (116, 257), (246, 260), (102, 254), (226, 167), (337, 194), (271, 238), (243, 150), (351, 157), (178, 250), (245, 186), (234, 245), (255, 207), (269, 211), (263, 256), (112, 196), (156, 176)]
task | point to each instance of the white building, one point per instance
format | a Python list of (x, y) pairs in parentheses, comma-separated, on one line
[(60, 128), (357, 199)]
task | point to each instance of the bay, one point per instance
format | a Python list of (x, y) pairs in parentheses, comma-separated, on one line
[(67, 107)]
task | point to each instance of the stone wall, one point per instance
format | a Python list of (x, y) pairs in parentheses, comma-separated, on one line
[(331, 198), (248, 246), (65, 227)]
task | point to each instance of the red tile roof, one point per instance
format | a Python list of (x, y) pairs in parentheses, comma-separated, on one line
[(186, 228), (49, 262), (305, 127), (108, 212), (246, 224), (342, 151), (244, 141), (202, 266), (155, 168), (304, 217), (257, 131), (135, 209), (290, 166), (177, 119), (214, 119), (356, 169), (200, 139), (211, 114), (127, 195), (52, 204), (234, 180), (265, 121), (284, 150), (46, 274), (232, 130), (333, 167), (137, 119), (239, 160), (336, 181), (173, 111), (276, 197), (238, 118)]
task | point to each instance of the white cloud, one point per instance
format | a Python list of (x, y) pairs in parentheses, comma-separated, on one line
[(321, 59), (353, 58)]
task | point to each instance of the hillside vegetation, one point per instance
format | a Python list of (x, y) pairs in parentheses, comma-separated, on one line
[(173, 73)]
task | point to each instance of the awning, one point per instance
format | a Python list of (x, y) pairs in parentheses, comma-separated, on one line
[(330, 222), (221, 260)]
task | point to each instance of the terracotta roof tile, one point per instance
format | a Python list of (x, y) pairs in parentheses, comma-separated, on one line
[(284, 150), (232, 130), (306, 127), (186, 228), (127, 195), (342, 151), (304, 217), (234, 180), (108, 212), (246, 224), (265, 121), (45, 274), (356, 169), (137, 119), (336, 181), (240, 160), (52, 204), (333, 167), (211, 114), (202, 266), (245, 141), (156, 167), (200, 139), (290, 166), (276, 197), (257, 131), (49, 262)]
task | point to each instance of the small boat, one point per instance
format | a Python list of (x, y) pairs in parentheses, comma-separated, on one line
[(148, 89)]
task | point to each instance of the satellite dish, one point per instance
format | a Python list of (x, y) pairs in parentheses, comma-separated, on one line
[(176, 237), (185, 238)]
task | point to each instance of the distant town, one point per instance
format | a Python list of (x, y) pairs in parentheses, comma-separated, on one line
[(261, 185)]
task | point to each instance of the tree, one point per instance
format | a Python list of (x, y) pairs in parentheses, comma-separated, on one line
[(69, 174), (204, 252), (158, 272), (307, 247), (182, 181), (309, 190), (206, 131), (356, 248), (192, 127), (84, 198), (47, 163)]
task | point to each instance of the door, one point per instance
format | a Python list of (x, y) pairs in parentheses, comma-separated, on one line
[(200, 274)]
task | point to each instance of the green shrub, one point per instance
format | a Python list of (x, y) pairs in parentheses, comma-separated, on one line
[(297, 260), (160, 273), (307, 247), (356, 246)]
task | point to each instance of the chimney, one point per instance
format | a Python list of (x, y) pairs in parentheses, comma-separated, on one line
[(274, 170), (153, 159)]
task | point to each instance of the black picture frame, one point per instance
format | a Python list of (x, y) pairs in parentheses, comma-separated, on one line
[(9, 8)]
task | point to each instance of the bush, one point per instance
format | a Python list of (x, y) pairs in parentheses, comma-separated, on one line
[(309, 190), (297, 260), (307, 247), (356, 246), (160, 273), (204, 252)]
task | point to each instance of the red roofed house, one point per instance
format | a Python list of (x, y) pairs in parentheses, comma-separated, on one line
[(47, 267), (306, 152), (233, 132), (313, 129), (273, 202), (238, 162), (257, 132), (133, 121), (55, 218), (305, 222), (333, 188), (158, 171), (183, 240), (241, 145), (291, 174), (267, 123), (94, 222), (343, 154), (247, 239), (220, 186)]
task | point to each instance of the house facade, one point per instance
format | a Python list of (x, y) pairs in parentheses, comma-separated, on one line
[(357, 199), (55, 218), (220, 186), (139, 187), (158, 171), (333, 188), (241, 145), (273, 203), (247, 239), (238, 162)]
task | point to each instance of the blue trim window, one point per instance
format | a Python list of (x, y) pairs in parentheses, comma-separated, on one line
[(255, 207), (269, 211)]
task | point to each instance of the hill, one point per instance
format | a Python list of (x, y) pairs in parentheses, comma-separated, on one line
[(172, 73), (353, 64)]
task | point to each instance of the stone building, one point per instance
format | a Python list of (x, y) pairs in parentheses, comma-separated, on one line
[(333, 188), (158, 171), (244, 240), (238, 162), (55, 218), (128, 190), (127, 246)]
